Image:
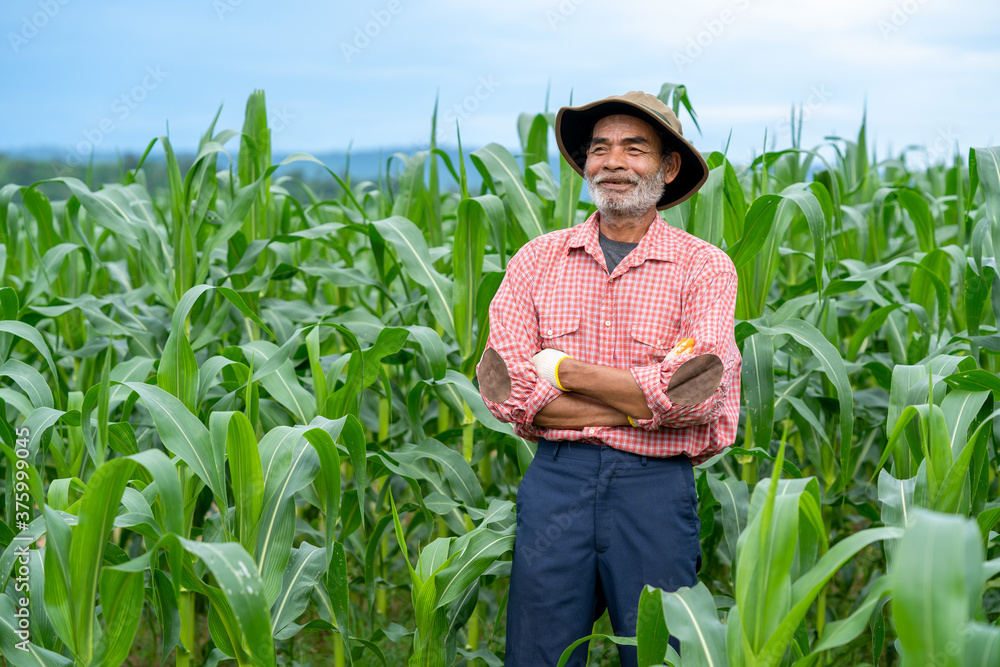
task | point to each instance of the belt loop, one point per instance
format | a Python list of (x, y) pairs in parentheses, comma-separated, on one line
[(555, 454), (643, 460)]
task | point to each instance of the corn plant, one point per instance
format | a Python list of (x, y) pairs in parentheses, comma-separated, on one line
[(783, 563), (938, 581), (224, 394)]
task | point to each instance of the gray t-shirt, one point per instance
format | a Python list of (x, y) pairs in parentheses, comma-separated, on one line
[(614, 251)]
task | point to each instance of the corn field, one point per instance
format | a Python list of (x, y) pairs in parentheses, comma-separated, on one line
[(241, 423)]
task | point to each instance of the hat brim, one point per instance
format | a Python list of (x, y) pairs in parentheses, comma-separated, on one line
[(575, 125)]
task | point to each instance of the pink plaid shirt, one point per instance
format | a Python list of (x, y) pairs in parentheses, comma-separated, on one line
[(557, 293)]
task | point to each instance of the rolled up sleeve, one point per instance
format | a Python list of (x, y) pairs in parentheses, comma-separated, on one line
[(514, 336), (707, 317)]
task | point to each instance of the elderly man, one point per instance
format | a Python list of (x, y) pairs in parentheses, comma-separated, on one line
[(612, 344)]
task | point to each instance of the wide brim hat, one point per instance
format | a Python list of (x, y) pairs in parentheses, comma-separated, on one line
[(575, 126)]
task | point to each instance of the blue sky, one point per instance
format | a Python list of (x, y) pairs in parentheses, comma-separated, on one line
[(108, 73)]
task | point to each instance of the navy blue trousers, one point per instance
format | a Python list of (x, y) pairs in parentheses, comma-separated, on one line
[(595, 525)]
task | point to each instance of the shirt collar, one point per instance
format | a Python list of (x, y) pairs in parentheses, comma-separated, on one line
[(656, 243)]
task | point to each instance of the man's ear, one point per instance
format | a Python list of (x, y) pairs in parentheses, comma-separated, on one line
[(673, 167)]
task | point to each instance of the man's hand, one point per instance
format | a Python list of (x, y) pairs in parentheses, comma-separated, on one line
[(547, 365), (614, 386), (576, 412)]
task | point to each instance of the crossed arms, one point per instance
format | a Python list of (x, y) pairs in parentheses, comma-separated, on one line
[(655, 396), (601, 396)]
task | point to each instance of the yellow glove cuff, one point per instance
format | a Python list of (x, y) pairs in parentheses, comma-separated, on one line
[(555, 372)]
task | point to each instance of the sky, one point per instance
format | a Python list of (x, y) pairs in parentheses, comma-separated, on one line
[(103, 75)]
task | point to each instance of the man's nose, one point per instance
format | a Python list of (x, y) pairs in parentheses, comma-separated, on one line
[(616, 159)]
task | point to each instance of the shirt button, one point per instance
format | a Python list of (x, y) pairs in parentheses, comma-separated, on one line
[(658, 343), (607, 323), (549, 332)]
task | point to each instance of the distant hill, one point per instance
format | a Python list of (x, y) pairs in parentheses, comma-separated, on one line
[(32, 164)]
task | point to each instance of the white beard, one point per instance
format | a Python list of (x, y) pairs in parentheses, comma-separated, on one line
[(630, 204)]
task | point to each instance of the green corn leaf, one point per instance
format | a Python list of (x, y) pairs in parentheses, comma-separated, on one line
[(499, 168), (651, 630), (960, 409), (897, 499), (469, 244), (390, 341), (691, 617), (872, 323), (178, 370), (184, 435), (337, 586), (96, 517), (30, 381), (936, 571), (283, 384), (480, 550), (836, 371), (238, 579), (167, 613), (245, 472), (758, 383), (757, 226), (534, 132), (59, 605), (570, 185), (709, 209), (983, 644), (168, 488), (847, 629), (807, 587), (410, 199), (974, 380), (305, 569), (803, 196), (432, 347), (316, 368), (456, 469), (121, 608), (620, 641), (30, 334), (411, 248), (107, 208), (353, 436), (460, 389), (372, 552), (732, 494), (952, 489)]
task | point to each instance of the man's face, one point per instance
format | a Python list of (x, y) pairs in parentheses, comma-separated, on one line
[(625, 170)]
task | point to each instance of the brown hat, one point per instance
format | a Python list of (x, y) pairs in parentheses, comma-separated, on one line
[(575, 125)]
